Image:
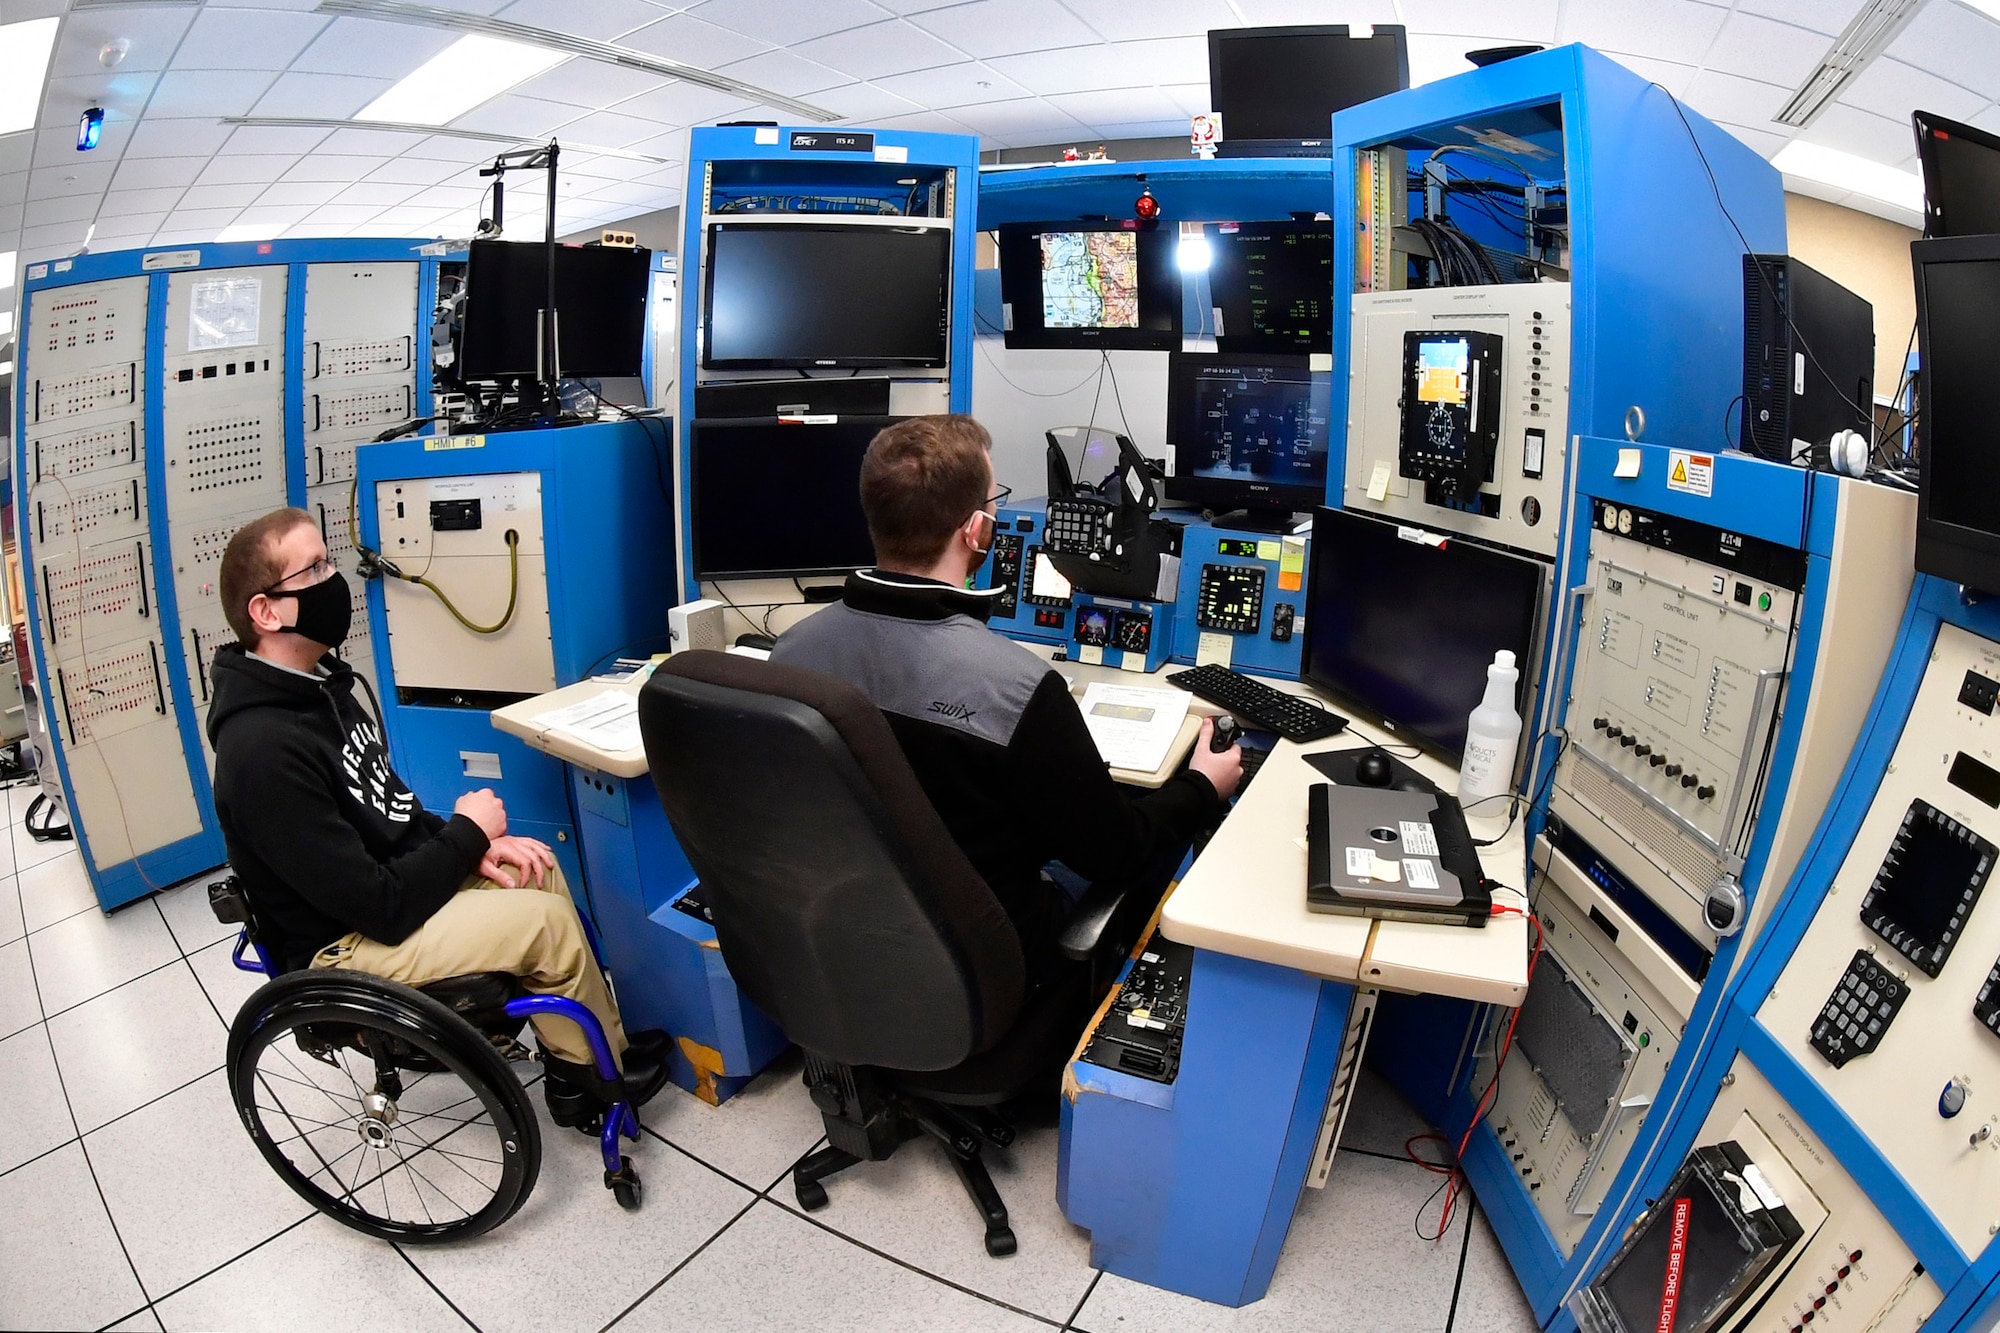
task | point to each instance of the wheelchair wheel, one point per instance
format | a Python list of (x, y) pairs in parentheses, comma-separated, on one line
[(381, 1107)]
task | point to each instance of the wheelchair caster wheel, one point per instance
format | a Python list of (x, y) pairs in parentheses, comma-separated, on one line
[(1000, 1243), (812, 1195), (624, 1185)]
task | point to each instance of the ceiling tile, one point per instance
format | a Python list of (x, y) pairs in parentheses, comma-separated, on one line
[(159, 136), (318, 231), (924, 122), (602, 20), (288, 193), (1079, 70), (687, 39), (894, 47), (1273, 13), (1433, 57), (162, 201), (859, 103), (1128, 104), (610, 129), (381, 194), (71, 178), (248, 168), (246, 39), (450, 196), (123, 96), (345, 214), (209, 92), (150, 33), (669, 147), (1953, 43), (588, 84), (785, 73), (221, 196), (149, 173), (112, 225), (375, 50), (1518, 21), (1191, 98), (210, 220), (640, 196), (1891, 88), (268, 215), (370, 143), (1761, 48), (764, 19), (1764, 141), (683, 104), (1676, 30), (416, 171), (56, 238), (75, 208), (1724, 97), (287, 139), (1863, 133), (1029, 115), (329, 96), (988, 28), (1120, 20), (1821, 16), (951, 85), (1145, 129), (523, 116), (327, 167), (449, 148), (16, 151)]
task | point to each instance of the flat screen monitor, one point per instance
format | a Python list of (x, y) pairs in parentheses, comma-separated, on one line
[(1286, 83), (1248, 432), (1090, 285), (1958, 489), (1403, 627), (797, 295), (1961, 177), (600, 310), (774, 498), (1271, 286)]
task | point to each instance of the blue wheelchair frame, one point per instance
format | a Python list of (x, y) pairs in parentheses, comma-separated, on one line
[(619, 1117)]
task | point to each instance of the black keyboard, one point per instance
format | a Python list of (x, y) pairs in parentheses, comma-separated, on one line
[(1259, 705)]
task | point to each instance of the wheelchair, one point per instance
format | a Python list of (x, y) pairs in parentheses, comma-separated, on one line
[(392, 1108)]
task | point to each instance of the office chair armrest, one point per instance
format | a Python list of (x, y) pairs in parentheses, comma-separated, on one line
[(1105, 924)]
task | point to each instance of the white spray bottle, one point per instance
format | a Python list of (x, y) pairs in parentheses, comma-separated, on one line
[(1492, 736)]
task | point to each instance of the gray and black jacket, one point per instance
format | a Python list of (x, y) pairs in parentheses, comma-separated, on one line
[(996, 742)]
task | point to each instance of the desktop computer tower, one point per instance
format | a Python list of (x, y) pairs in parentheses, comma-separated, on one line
[(1794, 397)]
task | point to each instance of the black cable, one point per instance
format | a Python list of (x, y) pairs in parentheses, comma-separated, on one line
[(1116, 396)]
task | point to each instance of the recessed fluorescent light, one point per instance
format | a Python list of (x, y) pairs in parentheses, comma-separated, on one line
[(470, 71), (6, 367), (24, 64), (477, 136), (1990, 8), (6, 322), (1846, 171), (249, 231), (1867, 36), (8, 258)]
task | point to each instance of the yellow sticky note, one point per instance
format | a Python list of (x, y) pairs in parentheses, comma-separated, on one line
[(1267, 550), (1090, 655), (1378, 483), (1628, 464), (1292, 564), (1132, 662), (1213, 649), (1386, 870)]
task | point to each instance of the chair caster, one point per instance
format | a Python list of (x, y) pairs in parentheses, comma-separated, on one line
[(1000, 1242), (811, 1194), (624, 1185)]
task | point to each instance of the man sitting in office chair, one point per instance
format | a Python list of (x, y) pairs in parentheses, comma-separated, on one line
[(343, 865), (989, 728)]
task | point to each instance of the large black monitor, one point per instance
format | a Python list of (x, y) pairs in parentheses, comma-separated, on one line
[(1248, 432), (797, 295), (1402, 624), (600, 310), (776, 498), (1271, 284), (1961, 177), (1277, 88), (1090, 285), (1958, 492)]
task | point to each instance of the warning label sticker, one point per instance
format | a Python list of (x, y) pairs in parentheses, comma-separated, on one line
[(1691, 473)]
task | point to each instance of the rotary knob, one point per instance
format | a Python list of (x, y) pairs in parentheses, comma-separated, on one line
[(1641, 751), (1673, 770), (1705, 792), (1952, 1100), (1628, 740), (1658, 760), (1689, 779)]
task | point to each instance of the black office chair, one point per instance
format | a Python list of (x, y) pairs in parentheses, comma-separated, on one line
[(849, 915)]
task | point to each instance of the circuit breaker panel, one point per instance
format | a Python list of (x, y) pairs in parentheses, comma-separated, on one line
[(222, 415), (358, 379), (87, 510)]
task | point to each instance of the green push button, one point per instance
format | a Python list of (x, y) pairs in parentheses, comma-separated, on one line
[(1763, 601)]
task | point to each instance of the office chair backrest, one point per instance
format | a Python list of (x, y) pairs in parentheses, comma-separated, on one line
[(842, 905)]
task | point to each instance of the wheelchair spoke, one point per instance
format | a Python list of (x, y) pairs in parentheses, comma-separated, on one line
[(413, 1189)]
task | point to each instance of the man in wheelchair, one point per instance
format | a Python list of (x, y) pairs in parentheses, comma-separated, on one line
[(341, 862)]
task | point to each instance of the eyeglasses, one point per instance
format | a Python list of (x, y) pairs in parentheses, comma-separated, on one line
[(321, 570), (999, 497)]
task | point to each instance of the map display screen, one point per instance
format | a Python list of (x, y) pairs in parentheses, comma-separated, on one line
[(1090, 280)]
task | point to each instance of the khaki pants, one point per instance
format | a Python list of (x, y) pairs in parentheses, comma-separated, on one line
[(530, 932)]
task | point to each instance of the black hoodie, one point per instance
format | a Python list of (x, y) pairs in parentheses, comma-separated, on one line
[(327, 839)]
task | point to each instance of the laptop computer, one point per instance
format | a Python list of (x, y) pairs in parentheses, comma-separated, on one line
[(1392, 854)]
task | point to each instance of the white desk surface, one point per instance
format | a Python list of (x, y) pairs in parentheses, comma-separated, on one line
[(1246, 894)]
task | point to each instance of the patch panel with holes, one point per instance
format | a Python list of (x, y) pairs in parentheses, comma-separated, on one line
[(377, 357), (81, 393), (99, 324), (85, 452), (105, 600), (63, 516), (117, 691), (345, 413)]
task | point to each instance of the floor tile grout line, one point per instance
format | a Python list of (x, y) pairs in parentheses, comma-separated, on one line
[(209, 1273), (39, 1156), (694, 1254), (147, 1308), (149, 972), (921, 1272), (1464, 1249), (655, 1134), (418, 1269), (1095, 1278)]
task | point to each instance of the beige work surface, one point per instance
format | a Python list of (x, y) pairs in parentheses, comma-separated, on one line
[(1246, 896)]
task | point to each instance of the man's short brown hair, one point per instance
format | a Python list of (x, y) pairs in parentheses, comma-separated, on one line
[(920, 479), (250, 565)]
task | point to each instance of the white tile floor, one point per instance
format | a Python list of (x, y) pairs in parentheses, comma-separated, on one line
[(131, 1198)]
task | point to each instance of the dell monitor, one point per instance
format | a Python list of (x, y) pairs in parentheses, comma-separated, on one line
[(775, 498), (1271, 286), (1277, 88), (1401, 624), (1961, 177), (1090, 285), (830, 295), (1958, 488), (1248, 432), (600, 310)]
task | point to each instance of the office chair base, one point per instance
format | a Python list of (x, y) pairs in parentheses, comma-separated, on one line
[(962, 1136)]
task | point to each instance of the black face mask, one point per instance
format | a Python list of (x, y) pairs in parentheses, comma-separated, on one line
[(326, 610)]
